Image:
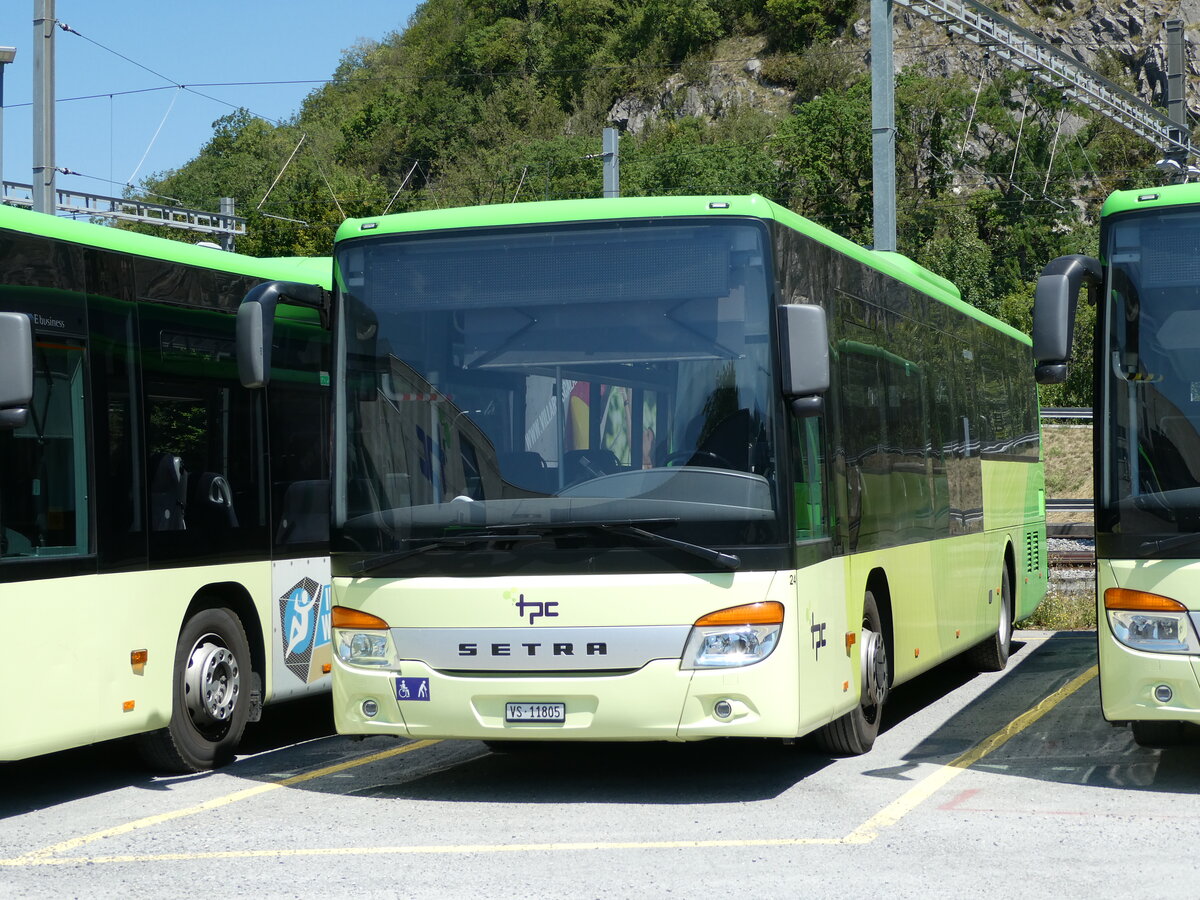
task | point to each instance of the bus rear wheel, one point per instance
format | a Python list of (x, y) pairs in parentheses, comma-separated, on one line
[(210, 696), (992, 654), (855, 732)]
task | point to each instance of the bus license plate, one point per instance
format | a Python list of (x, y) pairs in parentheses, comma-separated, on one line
[(535, 712)]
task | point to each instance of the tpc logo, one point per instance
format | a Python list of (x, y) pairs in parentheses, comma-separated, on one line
[(537, 609)]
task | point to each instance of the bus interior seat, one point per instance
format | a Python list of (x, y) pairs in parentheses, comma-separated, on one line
[(211, 504), (168, 493), (583, 465), (526, 469), (305, 516)]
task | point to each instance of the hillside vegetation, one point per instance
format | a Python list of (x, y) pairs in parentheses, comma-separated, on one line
[(504, 101)]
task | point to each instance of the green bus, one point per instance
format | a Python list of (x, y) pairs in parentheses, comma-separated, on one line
[(166, 526), (663, 469), (1147, 448)]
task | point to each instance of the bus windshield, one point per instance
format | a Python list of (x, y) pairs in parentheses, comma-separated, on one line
[(1150, 479), (550, 385)]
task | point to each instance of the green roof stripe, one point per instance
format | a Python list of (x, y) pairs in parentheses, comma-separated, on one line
[(1148, 198), (318, 270)]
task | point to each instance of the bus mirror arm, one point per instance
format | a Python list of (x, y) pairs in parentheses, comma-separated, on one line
[(804, 407), (16, 369), (804, 357), (1054, 302), (256, 325)]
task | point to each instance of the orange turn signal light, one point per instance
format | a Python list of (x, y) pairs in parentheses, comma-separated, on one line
[(343, 617), (769, 612), (1124, 598)]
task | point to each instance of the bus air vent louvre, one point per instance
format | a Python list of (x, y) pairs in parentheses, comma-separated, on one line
[(1033, 557)]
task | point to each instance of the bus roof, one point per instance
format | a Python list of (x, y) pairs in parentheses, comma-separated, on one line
[(563, 211), (1148, 198), (318, 270)]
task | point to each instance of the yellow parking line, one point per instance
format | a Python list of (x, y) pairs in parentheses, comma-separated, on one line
[(215, 803), (927, 787), (863, 834)]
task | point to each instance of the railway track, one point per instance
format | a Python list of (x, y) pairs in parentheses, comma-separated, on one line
[(1071, 558)]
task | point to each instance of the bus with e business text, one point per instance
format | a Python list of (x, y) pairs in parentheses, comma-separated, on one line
[(163, 530), (662, 469)]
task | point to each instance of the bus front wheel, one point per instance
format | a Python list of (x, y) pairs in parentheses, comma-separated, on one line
[(855, 732), (210, 696)]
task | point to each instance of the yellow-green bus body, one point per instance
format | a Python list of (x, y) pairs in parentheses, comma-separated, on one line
[(478, 579)]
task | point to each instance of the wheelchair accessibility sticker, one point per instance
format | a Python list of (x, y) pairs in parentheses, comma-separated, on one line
[(412, 688)]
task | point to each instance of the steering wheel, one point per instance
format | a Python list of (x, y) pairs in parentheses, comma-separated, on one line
[(706, 455)]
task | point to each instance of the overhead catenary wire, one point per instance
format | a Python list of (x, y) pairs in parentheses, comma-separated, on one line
[(281, 171), (153, 139)]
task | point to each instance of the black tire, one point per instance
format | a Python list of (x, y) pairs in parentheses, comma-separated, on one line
[(854, 733), (992, 654), (1159, 735), (210, 696)]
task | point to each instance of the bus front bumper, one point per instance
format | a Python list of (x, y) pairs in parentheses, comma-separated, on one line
[(1135, 684), (658, 702), (1154, 687)]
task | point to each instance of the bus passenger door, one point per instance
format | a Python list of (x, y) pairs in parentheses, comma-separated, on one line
[(45, 537)]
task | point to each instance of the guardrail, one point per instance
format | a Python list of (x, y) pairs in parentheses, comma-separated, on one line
[(1059, 504), (1066, 412)]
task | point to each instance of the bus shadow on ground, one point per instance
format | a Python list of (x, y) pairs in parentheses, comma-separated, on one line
[(712, 771), (715, 771), (1070, 744), (45, 781)]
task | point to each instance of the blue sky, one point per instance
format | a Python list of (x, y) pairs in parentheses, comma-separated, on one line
[(118, 136)]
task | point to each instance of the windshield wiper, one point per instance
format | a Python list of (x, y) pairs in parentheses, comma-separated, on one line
[(724, 560), (629, 528), (382, 560), (529, 531), (1170, 543)]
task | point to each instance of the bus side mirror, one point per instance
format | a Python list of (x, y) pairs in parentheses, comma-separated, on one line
[(256, 325), (16, 369), (1054, 302), (805, 357)]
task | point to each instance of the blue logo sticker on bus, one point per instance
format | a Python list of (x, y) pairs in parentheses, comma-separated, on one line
[(304, 621), (412, 688)]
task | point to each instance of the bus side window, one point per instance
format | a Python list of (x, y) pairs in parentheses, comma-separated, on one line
[(205, 485), (43, 465)]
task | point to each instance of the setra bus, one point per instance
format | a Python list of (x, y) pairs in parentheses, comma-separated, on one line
[(663, 469), (163, 530), (1147, 448)]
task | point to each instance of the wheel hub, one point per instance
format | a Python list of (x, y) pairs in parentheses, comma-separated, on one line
[(874, 668), (212, 682)]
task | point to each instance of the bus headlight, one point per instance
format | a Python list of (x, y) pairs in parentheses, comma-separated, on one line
[(1150, 622), (362, 639), (739, 636)]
